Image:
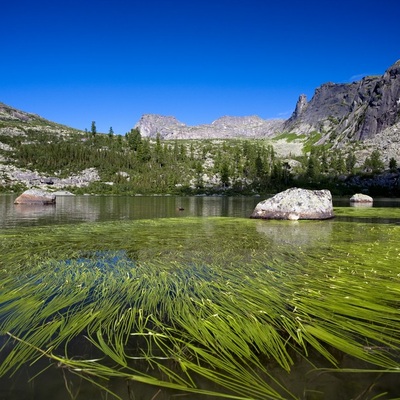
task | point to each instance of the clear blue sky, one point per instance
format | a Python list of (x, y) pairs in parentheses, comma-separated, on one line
[(74, 62)]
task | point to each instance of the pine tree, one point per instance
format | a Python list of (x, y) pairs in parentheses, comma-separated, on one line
[(350, 162), (224, 173), (392, 165), (374, 162), (134, 139), (93, 129)]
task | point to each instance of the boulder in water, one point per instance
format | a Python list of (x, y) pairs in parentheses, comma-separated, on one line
[(294, 204), (361, 198), (35, 196)]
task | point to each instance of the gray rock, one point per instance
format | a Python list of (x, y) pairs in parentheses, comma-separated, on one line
[(8, 113), (301, 106), (150, 125), (294, 204), (169, 127), (35, 196), (361, 198), (350, 111)]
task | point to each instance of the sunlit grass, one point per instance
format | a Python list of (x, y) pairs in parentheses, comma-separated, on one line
[(172, 303)]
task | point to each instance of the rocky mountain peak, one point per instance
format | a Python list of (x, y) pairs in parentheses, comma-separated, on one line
[(150, 125), (225, 127), (339, 111), (301, 105), (350, 111)]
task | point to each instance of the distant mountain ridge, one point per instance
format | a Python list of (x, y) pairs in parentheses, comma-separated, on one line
[(339, 112), (169, 127), (365, 110)]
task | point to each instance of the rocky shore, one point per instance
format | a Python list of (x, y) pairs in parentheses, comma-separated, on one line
[(11, 175)]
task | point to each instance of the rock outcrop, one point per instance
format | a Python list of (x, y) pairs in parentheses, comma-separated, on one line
[(169, 127), (32, 179), (150, 125), (353, 111), (8, 113), (35, 196), (361, 198), (294, 204)]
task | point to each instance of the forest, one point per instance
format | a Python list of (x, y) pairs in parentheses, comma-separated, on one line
[(131, 164)]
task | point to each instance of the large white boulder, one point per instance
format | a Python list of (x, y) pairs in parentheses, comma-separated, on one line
[(294, 204), (361, 198), (35, 196)]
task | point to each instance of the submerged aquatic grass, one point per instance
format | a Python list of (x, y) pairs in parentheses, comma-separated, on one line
[(172, 303)]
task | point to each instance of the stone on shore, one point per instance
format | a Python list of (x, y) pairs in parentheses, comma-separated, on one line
[(35, 196), (361, 198), (294, 204)]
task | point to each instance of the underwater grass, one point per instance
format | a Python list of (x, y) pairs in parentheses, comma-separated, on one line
[(173, 302)]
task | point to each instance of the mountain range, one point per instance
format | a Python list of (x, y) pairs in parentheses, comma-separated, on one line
[(355, 118), (340, 112)]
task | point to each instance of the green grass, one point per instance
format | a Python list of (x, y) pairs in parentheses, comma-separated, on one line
[(290, 137), (311, 140), (174, 303)]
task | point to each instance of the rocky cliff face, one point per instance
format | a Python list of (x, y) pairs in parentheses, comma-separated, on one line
[(226, 127), (350, 112), (342, 113)]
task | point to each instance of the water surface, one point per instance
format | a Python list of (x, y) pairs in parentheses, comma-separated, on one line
[(337, 274), (73, 209)]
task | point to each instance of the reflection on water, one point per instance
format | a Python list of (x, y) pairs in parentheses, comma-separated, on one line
[(72, 209), (34, 211), (360, 205), (296, 233)]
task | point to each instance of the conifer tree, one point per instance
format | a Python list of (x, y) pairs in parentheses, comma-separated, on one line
[(350, 162), (93, 129), (134, 139), (374, 162), (392, 165)]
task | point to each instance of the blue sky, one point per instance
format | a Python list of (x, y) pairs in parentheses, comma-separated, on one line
[(74, 62)]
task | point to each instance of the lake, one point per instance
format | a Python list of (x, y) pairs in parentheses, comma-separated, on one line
[(74, 209), (163, 297)]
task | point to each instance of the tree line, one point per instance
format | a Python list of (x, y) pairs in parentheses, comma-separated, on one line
[(134, 164)]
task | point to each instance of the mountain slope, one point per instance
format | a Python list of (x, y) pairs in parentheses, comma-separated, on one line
[(350, 112), (17, 122)]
